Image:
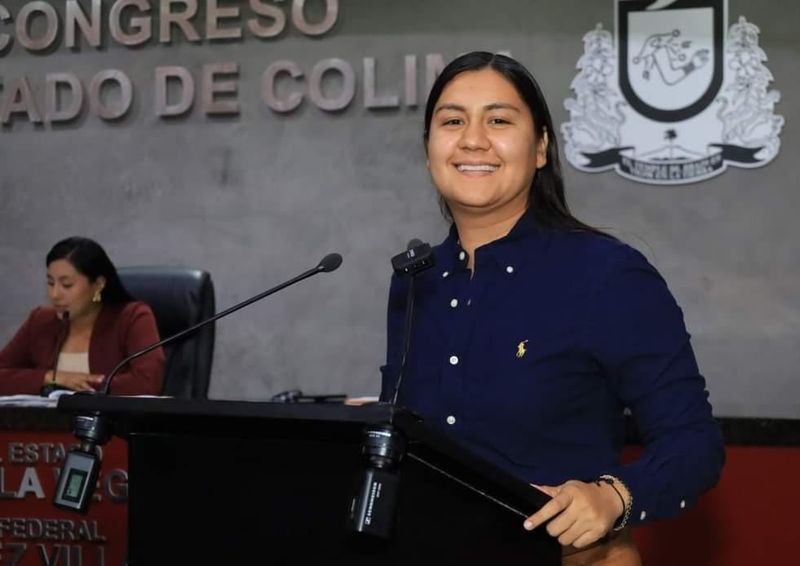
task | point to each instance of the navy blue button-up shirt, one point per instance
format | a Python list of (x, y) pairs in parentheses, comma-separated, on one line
[(531, 362)]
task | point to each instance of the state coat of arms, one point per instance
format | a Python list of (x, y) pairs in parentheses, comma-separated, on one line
[(676, 98)]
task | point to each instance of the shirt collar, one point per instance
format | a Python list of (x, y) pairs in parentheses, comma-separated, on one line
[(505, 252)]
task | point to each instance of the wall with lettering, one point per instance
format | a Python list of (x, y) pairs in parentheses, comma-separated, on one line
[(252, 138), (32, 531)]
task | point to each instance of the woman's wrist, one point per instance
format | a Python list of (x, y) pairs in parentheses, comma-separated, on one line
[(624, 496)]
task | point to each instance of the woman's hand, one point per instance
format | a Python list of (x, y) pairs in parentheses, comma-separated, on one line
[(581, 513), (75, 381)]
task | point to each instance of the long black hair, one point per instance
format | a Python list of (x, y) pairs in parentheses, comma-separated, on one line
[(90, 259), (546, 194)]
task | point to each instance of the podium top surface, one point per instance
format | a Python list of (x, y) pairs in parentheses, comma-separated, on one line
[(154, 406), (740, 431)]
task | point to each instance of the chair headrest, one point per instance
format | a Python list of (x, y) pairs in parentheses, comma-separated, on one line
[(179, 297)]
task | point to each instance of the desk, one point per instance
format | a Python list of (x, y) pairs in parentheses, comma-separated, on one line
[(33, 532)]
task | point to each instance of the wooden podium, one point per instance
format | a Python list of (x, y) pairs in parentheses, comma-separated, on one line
[(219, 482)]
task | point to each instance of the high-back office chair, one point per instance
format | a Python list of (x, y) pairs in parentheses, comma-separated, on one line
[(180, 298)]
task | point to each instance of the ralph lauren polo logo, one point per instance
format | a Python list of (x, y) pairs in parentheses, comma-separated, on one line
[(521, 350)]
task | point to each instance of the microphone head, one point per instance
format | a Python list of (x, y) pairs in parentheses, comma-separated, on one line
[(63, 316), (330, 262), (417, 257)]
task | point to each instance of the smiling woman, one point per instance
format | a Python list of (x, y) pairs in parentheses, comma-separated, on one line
[(483, 151), (538, 332), (89, 327)]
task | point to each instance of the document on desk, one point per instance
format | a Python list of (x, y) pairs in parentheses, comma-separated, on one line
[(50, 400)]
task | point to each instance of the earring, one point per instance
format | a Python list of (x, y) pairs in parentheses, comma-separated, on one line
[(96, 298)]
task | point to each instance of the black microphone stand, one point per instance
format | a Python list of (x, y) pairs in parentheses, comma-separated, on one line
[(373, 507)]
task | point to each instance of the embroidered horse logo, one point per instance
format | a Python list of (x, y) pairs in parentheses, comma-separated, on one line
[(521, 351)]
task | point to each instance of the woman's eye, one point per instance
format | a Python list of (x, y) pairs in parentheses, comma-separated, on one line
[(452, 122), (498, 121), (67, 285)]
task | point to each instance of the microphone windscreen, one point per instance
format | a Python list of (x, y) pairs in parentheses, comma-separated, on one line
[(330, 262), (414, 243)]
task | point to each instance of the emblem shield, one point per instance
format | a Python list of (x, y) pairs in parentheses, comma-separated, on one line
[(670, 55)]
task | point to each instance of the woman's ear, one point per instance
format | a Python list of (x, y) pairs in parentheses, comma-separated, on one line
[(100, 283), (541, 149)]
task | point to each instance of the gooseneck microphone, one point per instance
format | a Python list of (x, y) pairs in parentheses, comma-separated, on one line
[(330, 262), (372, 510), (82, 465), (417, 258)]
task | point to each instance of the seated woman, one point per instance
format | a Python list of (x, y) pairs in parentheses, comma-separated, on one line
[(91, 326)]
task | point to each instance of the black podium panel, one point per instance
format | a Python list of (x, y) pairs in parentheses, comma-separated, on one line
[(243, 483)]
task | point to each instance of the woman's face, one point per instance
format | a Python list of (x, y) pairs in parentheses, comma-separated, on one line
[(70, 290), (482, 146)]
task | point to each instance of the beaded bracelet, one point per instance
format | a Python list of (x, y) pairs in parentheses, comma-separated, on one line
[(626, 514)]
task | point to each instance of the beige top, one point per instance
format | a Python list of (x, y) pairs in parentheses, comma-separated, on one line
[(77, 362)]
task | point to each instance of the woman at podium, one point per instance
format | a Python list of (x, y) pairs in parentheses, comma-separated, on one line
[(535, 333), (91, 324)]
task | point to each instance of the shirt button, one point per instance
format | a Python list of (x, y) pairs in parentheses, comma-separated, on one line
[(451, 420), (454, 303), (643, 516), (453, 360), (445, 274), (462, 255), (469, 302), (510, 269), (683, 504)]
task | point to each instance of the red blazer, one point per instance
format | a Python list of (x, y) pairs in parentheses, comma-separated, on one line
[(119, 331)]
